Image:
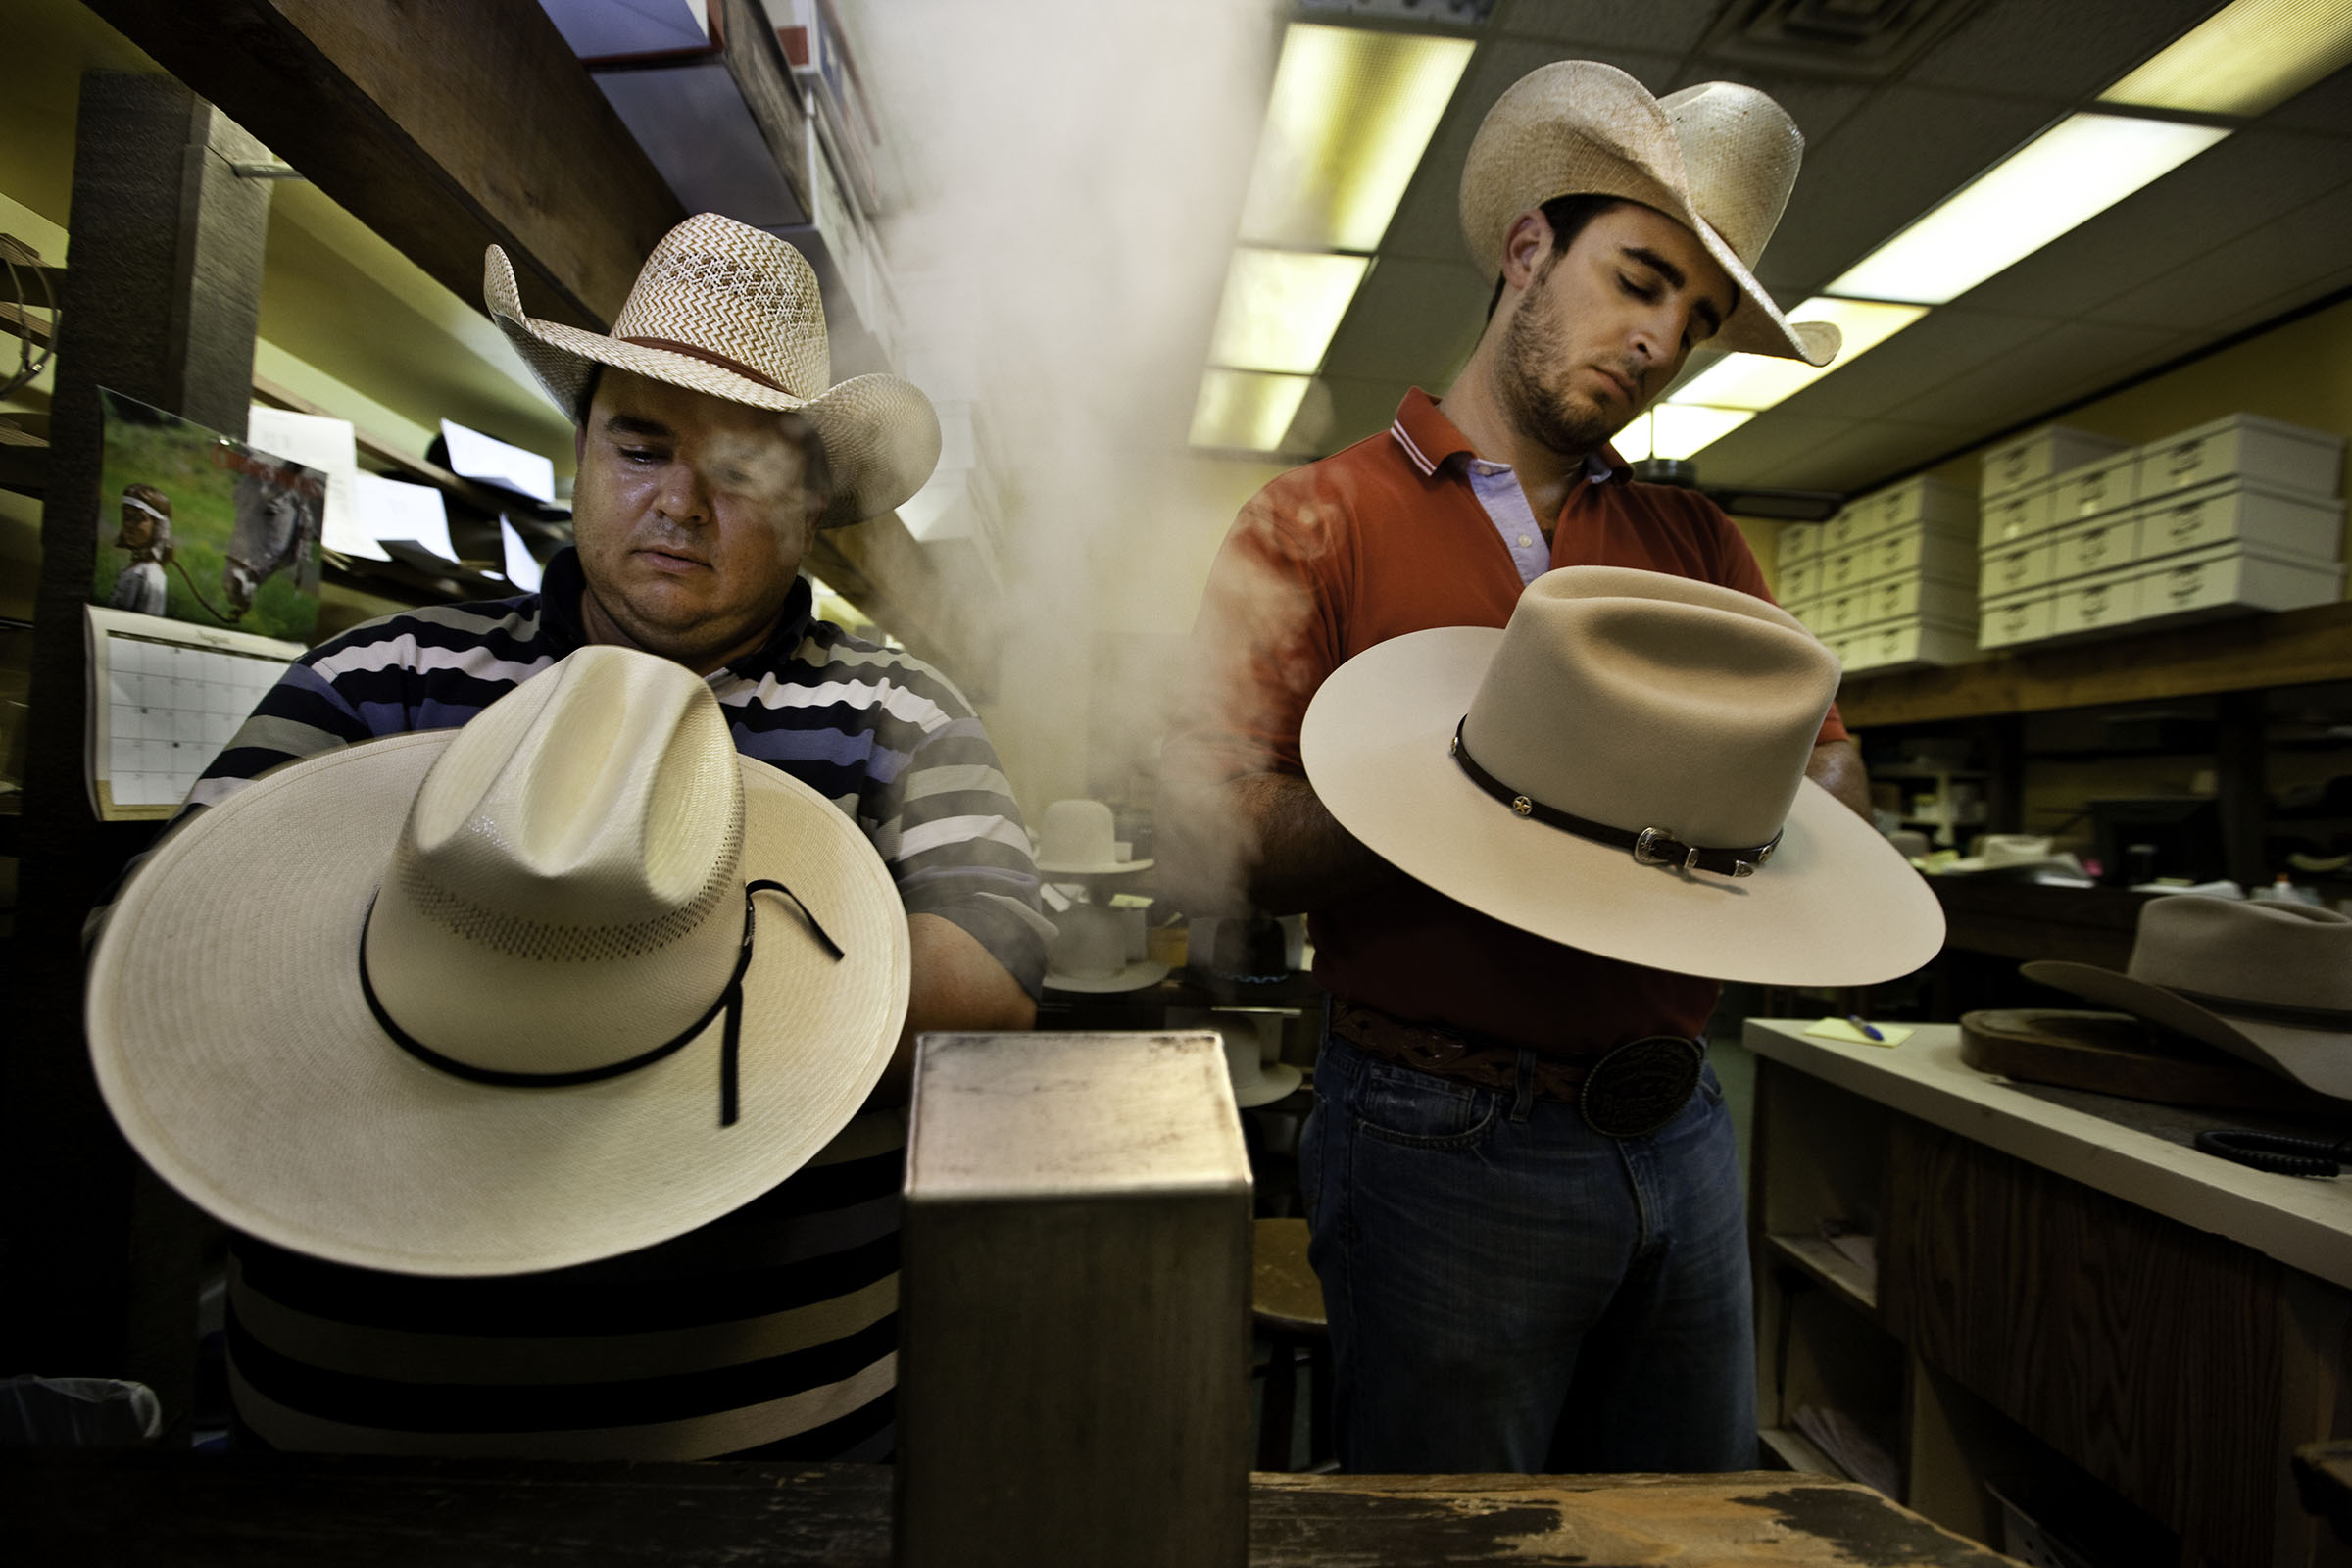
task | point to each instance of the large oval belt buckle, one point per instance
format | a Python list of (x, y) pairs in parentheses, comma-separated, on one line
[(1641, 1086)]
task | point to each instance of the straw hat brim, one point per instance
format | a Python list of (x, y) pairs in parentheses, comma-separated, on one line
[(234, 1047), (1837, 905), (881, 434), (2319, 1059), (1134, 977)]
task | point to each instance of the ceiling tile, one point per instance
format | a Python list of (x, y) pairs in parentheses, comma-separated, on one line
[(2237, 186), (1358, 408), (2325, 107), (1856, 459), (1670, 27), (1413, 321), (1818, 107), (1752, 453), (2061, 360), (1428, 222), (2284, 259), (1901, 153), (2319, 287), (1941, 345), (2033, 48)]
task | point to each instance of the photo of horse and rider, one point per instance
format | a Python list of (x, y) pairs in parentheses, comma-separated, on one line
[(208, 531)]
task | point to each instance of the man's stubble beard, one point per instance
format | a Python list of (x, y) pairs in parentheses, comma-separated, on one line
[(1543, 415)]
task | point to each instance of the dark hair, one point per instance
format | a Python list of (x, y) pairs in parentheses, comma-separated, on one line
[(587, 397), (1567, 216)]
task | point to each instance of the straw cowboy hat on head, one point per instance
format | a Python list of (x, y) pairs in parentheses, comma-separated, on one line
[(565, 983), (1622, 769), (732, 311), (2270, 983), (1719, 159)]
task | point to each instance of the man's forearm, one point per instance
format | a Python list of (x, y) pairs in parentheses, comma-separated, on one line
[(1836, 766), (1260, 842), (955, 983)]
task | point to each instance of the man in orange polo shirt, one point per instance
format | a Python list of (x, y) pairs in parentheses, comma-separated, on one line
[(1515, 1280)]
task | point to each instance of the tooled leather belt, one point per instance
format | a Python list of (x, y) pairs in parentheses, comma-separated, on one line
[(1627, 1092)]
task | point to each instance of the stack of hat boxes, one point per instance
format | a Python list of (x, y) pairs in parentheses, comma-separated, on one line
[(2082, 533), (1889, 582)]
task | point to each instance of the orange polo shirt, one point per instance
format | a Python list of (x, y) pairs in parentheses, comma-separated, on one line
[(1386, 538)]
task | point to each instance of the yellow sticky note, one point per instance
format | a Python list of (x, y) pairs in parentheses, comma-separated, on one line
[(1840, 1029)]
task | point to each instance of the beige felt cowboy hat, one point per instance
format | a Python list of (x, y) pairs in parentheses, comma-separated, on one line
[(1622, 769), (1080, 838), (2267, 982), (1720, 159), (564, 983), (1088, 952), (732, 311)]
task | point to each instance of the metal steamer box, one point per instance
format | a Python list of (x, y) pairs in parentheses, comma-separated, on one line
[(1074, 1306)]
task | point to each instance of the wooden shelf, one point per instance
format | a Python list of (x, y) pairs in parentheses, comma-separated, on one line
[(2291, 647), (1829, 1268)]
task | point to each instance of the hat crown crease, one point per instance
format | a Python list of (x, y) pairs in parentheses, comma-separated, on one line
[(2283, 954), (736, 292)]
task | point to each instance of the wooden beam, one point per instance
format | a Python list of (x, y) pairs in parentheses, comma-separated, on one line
[(756, 62), (2289, 648), (445, 125)]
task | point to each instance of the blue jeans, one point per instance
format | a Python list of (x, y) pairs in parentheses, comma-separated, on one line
[(1511, 1291)]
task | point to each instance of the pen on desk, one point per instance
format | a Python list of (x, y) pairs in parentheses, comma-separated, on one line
[(1868, 1033)]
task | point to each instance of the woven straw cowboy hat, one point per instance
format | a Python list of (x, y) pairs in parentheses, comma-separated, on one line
[(726, 309), (1719, 159), (1671, 722), (567, 982), (2268, 983)]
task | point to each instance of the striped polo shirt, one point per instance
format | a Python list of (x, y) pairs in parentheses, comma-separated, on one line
[(771, 1332)]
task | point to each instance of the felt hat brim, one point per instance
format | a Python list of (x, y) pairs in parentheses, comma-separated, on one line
[(1836, 904), (1134, 977), (2320, 1060), (881, 435), (236, 1048)]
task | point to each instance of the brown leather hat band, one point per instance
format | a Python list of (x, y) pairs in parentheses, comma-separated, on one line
[(691, 352)]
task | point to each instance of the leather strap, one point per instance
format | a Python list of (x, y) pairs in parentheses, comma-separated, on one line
[(1651, 846), (670, 345), (1444, 1054), (2334, 1019)]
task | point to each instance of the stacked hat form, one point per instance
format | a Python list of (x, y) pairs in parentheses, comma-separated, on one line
[(1252, 1055), (1622, 769), (1078, 839), (1090, 951), (2270, 983), (568, 982), (1719, 157)]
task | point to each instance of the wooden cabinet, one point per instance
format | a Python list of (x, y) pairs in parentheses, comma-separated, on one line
[(2044, 1293)]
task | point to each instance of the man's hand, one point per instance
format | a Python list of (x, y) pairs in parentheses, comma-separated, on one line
[(1261, 841), (955, 983), (1836, 766)]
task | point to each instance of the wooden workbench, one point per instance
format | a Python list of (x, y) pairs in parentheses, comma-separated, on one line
[(188, 1512), (2057, 1267)]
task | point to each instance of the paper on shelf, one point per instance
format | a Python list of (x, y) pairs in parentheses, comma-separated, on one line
[(1840, 1029), (522, 569), (316, 441), (475, 456), (394, 509)]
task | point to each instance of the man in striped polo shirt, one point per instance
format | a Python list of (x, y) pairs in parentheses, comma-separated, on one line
[(710, 449)]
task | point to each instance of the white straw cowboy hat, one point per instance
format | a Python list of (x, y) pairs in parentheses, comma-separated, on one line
[(1630, 779), (2267, 982), (1720, 159), (567, 982), (726, 309)]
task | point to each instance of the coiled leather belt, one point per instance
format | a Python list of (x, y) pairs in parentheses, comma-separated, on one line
[(1627, 1091)]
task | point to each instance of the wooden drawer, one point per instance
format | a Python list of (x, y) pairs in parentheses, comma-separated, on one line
[(1909, 596), (1903, 643), (1916, 549), (2013, 568), (2242, 511), (2285, 456), (2095, 489), (2100, 546), (1799, 579), (2019, 619), (2096, 603), (2230, 578), (2040, 453), (2011, 517), (1799, 541)]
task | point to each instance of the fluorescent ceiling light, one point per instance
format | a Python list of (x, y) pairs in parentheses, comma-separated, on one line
[(1351, 115), (2072, 172), (1679, 430), (1244, 410), (1754, 381), (2246, 58), (1281, 307), (1632, 442)]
